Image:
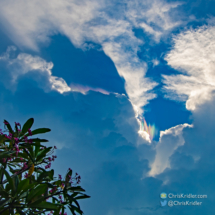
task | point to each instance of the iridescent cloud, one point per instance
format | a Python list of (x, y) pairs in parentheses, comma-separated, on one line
[(84, 89), (147, 131)]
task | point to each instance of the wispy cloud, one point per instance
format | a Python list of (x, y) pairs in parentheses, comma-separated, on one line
[(153, 16), (29, 23), (96, 21), (193, 55), (84, 89)]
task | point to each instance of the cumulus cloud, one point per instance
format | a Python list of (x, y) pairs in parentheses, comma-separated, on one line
[(169, 141), (99, 119), (193, 55), (184, 173), (104, 157), (106, 23), (25, 63), (191, 166)]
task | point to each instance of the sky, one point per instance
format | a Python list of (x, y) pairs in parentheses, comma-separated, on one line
[(128, 91)]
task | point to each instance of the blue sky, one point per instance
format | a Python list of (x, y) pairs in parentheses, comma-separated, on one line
[(90, 70)]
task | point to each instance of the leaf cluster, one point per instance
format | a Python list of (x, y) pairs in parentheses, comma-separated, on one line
[(26, 184)]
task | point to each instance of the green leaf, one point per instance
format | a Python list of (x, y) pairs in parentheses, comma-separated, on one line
[(38, 199), (74, 208), (4, 193), (76, 202), (57, 211), (63, 210), (1, 172), (23, 155), (39, 140), (8, 126), (4, 202), (74, 194), (24, 189), (51, 174), (38, 191), (2, 138), (84, 196), (16, 183), (37, 149), (11, 169), (71, 200), (67, 178), (58, 182), (30, 149), (16, 129), (10, 180), (78, 188), (23, 195), (43, 153), (29, 155), (22, 185), (6, 154), (44, 175), (20, 212), (68, 174), (8, 187), (16, 160), (27, 125), (54, 199), (45, 205), (40, 131), (26, 145)]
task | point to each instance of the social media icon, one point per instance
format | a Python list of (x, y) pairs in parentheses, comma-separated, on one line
[(163, 195), (163, 203), (170, 203)]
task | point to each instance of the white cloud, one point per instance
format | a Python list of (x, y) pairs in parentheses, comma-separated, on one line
[(106, 23), (133, 71), (59, 84), (84, 89), (169, 141), (120, 44), (145, 136), (25, 63), (6, 55), (28, 23), (155, 62), (193, 54), (153, 16)]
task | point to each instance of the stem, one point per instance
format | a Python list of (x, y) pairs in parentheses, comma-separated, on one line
[(60, 192)]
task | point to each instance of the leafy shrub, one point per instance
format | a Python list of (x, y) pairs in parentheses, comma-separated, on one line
[(27, 186)]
